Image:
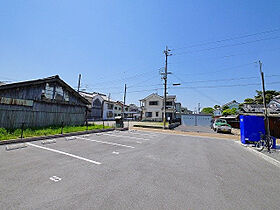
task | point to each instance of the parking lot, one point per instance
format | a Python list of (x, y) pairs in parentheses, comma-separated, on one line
[(136, 170)]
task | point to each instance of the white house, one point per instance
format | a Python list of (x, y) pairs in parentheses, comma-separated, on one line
[(274, 104), (153, 107), (218, 113), (102, 107)]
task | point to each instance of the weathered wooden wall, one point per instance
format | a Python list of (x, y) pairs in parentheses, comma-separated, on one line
[(40, 115), (42, 112)]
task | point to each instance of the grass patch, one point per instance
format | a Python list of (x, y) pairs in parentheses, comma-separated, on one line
[(6, 134)]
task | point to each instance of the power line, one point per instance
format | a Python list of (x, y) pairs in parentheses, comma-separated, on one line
[(235, 85), (228, 56), (230, 45), (234, 67), (229, 39), (214, 86)]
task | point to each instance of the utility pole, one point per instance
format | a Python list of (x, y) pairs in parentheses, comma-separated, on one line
[(79, 82), (167, 53), (109, 97), (267, 127), (124, 98)]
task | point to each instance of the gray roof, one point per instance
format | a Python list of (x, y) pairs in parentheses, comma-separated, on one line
[(55, 78)]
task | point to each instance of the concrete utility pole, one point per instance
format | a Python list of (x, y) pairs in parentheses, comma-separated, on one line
[(124, 98), (79, 82), (264, 104), (167, 53)]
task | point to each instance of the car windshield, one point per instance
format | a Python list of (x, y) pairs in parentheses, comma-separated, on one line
[(221, 121)]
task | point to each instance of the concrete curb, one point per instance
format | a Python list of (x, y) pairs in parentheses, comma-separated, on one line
[(12, 141), (148, 126)]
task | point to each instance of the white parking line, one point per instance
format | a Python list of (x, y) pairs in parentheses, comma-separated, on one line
[(106, 142), (64, 153), (132, 137), (55, 178), (145, 134)]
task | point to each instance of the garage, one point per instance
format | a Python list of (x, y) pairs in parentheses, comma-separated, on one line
[(196, 120)]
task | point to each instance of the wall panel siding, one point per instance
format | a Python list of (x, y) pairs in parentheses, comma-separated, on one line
[(41, 115)]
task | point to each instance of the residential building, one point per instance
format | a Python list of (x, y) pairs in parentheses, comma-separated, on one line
[(231, 104), (132, 112), (185, 110), (217, 113), (275, 104), (102, 107), (42, 102), (153, 107), (178, 110)]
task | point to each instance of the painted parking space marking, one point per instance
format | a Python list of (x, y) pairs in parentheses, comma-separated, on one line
[(107, 142), (114, 152), (64, 153), (144, 134), (132, 137), (55, 178)]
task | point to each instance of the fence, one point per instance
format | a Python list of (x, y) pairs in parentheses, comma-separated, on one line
[(24, 131)]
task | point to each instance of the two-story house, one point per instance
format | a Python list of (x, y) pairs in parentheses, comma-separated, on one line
[(102, 107), (153, 107)]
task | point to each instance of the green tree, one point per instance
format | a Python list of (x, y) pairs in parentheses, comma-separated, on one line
[(269, 94), (232, 111), (225, 107), (207, 110), (217, 106), (249, 101)]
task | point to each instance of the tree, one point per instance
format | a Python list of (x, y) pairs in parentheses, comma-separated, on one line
[(269, 95), (207, 110), (249, 101), (217, 106), (225, 107), (232, 111)]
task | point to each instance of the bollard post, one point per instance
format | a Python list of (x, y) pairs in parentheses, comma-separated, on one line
[(103, 123), (87, 124), (22, 126), (62, 127)]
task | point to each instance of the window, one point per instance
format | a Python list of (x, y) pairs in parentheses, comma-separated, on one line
[(153, 103), (110, 114), (110, 106), (148, 114), (48, 92), (55, 92), (168, 103), (58, 93), (156, 114)]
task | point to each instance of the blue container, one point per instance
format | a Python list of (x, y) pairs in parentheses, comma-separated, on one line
[(274, 143), (250, 128)]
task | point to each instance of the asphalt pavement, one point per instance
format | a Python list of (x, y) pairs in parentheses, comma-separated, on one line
[(137, 170)]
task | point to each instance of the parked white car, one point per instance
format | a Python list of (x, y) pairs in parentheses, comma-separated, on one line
[(221, 125)]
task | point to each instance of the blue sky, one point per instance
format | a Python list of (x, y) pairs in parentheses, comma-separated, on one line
[(116, 42)]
